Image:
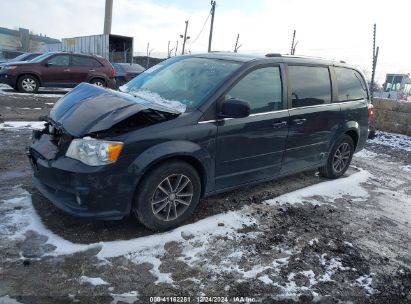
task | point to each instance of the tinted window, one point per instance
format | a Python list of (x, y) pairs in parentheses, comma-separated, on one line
[(351, 85), (59, 60), (261, 89), (85, 61), (310, 85)]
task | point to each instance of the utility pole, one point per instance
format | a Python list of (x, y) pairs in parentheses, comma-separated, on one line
[(236, 47), (175, 51), (211, 26), (148, 55), (168, 50), (185, 38), (292, 44), (374, 62), (108, 15)]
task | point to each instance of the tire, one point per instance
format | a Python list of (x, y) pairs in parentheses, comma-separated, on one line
[(28, 84), (158, 205), (98, 82), (339, 158)]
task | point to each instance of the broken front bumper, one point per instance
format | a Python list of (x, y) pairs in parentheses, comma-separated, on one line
[(104, 192)]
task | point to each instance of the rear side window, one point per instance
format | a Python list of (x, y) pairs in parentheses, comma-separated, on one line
[(310, 85), (351, 85), (85, 61), (261, 89)]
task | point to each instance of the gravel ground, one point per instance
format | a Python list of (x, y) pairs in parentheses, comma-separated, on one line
[(301, 238)]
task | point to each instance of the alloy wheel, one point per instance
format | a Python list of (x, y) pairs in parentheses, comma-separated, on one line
[(98, 83), (172, 197), (341, 157), (29, 84)]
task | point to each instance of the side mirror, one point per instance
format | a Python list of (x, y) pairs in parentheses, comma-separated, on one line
[(235, 108), (47, 64)]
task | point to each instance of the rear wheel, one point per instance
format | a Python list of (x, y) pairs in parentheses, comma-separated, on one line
[(167, 196), (339, 158), (98, 82), (28, 84)]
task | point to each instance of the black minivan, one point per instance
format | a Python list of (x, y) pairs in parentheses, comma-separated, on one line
[(197, 125)]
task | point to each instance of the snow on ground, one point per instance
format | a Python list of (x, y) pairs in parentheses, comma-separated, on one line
[(7, 300), (22, 125), (364, 153), (128, 297), (393, 140), (93, 281), (197, 240), (7, 90), (406, 168)]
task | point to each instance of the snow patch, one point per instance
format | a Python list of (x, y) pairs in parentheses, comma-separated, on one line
[(93, 281), (7, 300), (393, 140), (158, 100), (406, 168), (350, 185), (128, 297), (366, 283), (364, 153), (22, 125)]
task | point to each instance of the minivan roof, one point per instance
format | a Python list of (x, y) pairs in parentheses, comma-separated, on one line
[(270, 57)]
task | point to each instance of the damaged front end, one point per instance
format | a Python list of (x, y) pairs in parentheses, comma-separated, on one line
[(76, 160)]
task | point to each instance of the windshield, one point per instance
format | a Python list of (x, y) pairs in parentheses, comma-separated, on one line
[(41, 57), (180, 82)]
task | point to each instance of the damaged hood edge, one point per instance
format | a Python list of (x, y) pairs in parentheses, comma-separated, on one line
[(89, 108)]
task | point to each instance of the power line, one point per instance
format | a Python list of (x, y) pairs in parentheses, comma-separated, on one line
[(201, 31)]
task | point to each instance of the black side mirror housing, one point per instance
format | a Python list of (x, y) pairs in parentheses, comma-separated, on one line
[(235, 108), (47, 64)]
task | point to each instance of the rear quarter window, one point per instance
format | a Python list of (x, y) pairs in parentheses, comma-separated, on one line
[(309, 85), (351, 85)]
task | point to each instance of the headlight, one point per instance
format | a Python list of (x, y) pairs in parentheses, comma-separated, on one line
[(94, 152), (9, 67)]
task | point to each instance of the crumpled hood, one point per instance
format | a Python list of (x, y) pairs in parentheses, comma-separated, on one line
[(89, 108)]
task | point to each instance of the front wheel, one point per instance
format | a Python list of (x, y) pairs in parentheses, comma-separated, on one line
[(339, 158), (167, 196), (28, 84), (98, 82)]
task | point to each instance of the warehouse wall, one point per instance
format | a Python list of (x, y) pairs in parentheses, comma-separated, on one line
[(392, 116)]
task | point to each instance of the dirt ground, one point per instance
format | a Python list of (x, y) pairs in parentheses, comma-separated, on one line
[(301, 238)]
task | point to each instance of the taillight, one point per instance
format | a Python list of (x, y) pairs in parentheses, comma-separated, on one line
[(113, 72), (370, 112)]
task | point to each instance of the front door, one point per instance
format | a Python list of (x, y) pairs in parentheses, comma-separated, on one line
[(56, 70), (313, 121), (251, 148)]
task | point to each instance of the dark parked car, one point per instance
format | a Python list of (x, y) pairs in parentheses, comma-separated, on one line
[(58, 69), (23, 57), (124, 72), (6, 55), (197, 125)]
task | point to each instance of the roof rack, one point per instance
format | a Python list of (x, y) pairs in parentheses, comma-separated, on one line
[(273, 55)]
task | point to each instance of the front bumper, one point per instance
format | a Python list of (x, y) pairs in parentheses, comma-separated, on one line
[(7, 79), (104, 192)]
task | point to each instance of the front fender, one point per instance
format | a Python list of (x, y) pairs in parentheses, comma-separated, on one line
[(175, 149)]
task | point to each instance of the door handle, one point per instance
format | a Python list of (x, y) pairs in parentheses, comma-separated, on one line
[(92, 70), (278, 125), (299, 121), (67, 70)]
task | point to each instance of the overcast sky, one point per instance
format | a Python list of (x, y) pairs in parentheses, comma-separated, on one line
[(332, 29)]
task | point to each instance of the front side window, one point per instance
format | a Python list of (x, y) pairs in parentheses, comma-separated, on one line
[(60, 60), (261, 89), (351, 85), (180, 82), (309, 85)]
